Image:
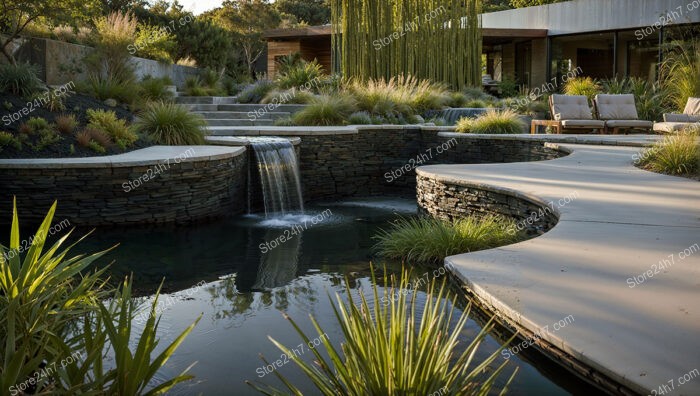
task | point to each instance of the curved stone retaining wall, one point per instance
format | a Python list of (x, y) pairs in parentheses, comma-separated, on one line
[(448, 200), (128, 189)]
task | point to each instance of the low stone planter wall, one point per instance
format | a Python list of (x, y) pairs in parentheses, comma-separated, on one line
[(210, 181), (449, 200)]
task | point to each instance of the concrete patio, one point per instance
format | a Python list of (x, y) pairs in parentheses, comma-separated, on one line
[(622, 264)]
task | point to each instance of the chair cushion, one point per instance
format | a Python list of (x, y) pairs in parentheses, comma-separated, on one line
[(570, 107), (629, 124), (692, 107), (670, 127), (616, 107), (675, 117), (582, 124)]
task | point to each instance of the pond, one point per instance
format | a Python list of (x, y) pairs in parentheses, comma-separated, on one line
[(241, 272)]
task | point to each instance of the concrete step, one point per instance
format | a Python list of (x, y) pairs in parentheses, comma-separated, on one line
[(239, 122), (200, 107), (236, 115), (284, 108), (205, 99)]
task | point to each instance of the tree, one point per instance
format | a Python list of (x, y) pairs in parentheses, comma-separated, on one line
[(310, 12), (247, 20), (530, 3), (16, 15), (496, 5)]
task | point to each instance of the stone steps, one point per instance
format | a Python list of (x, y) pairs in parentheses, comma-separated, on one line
[(239, 115), (205, 99), (286, 108), (229, 122)]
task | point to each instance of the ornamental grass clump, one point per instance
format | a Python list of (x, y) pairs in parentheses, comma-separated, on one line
[(492, 122), (430, 240), (326, 111), (398, 96), (680, 72), (170, 124), (674, 155), (398, 347)]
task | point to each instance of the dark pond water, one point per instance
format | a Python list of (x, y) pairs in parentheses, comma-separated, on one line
[(226, 271)]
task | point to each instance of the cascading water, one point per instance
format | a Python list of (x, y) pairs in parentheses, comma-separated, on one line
[(279, 176)]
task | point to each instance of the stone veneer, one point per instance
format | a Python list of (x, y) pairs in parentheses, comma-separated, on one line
[(93, 193), (449, 200), (334, 163)]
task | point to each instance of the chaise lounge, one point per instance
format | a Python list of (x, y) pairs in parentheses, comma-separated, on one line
[(674, 122), (619, 112), (572, 112)]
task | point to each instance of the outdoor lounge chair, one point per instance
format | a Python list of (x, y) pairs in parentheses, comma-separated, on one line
[(674, 122), (619, 112), (573, 112)]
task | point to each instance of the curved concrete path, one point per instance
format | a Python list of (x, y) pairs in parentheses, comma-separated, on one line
[(641, 330)]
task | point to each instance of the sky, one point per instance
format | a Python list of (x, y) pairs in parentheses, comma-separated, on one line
[(199, 6)]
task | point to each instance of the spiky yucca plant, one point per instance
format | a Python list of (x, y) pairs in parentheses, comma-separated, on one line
[(395, 345)]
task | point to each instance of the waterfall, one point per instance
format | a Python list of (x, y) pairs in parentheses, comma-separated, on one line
[(279, 176)]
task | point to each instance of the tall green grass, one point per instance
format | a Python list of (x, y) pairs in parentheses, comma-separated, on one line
[(430, 240), (397, 347), (680, 72)]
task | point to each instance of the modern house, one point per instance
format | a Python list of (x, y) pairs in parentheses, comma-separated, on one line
[(538, 45)]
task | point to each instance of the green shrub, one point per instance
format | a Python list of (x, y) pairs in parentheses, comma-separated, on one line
[(153, 42), (360, 118), (194, 87), (585, 86), (153, 89), (50, 100), (256, 92), (430, 240), (302, 75), (286, 62), (492, 122), (20, 79), (38, 124), (8, 140), (170, 124), (680, 72), (114, 127), (326, 110), (396, 344), (291, 96), (508, 87), (674, 155), (54, 306), (47, 137)]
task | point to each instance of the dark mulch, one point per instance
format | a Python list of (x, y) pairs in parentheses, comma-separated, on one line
[(77, 105)]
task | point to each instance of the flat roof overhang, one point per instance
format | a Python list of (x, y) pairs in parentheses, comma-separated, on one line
[(491, 36)]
